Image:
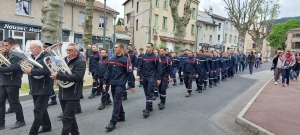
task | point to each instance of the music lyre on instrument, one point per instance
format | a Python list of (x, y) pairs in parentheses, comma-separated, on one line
[(55, 63)]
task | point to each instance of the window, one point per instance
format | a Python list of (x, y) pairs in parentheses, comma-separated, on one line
[(230, 38), (137, 7), (297, 35), (101, 21), (132, 3), (231, 27), (226, 26), (193, 13), (128, 18), (155, 20), (23, 7), (156, 3), (225, 39), (219, 26), (81, 17), (1, 34), (206, 27), (210, 39), (210, 27), (219, 38), (235, 39), (253, 45), (165, 22), (193, 29), (165, 4), (297, 45), (136, 25)]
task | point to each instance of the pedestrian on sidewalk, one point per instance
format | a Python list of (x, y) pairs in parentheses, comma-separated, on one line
[(251, 60), (242, 62), (295, 69), (288, 62), (276, 66)]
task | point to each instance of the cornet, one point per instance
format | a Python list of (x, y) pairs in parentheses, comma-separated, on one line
[(56, 63)]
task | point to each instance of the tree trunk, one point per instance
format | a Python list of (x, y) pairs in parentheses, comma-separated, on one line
[(88, 23), (259, 45), (52, 17), (180, 22), (242, 36)]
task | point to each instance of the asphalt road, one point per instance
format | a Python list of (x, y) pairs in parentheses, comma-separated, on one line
[(211, 112)]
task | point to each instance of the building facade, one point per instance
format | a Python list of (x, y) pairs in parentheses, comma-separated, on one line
[(23, 22), (136, 21), (292, 40), (230, 37)]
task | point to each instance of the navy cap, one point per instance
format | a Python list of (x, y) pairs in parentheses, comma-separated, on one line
[(47, 44)]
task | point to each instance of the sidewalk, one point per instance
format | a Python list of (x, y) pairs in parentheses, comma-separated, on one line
[(276, 109)]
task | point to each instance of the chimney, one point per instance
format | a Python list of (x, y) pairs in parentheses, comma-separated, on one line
[(210, 11)]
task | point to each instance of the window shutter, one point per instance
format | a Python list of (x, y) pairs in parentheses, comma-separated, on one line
[(294, 35), (293, 45)]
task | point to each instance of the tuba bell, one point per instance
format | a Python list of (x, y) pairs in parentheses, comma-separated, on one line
[(27, 61), (3, 60), (56, 63)]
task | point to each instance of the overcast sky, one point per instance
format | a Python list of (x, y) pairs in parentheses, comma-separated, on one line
[(290, 8)]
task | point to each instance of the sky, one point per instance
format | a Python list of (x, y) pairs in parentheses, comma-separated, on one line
[(289, 8)]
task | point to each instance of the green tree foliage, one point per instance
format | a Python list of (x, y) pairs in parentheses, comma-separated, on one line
[(119, 22), (277, 37)]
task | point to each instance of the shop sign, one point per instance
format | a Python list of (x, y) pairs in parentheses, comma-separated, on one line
[(21, 28)]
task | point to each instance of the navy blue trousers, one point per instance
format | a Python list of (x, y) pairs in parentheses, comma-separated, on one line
[(148, 85), (188, 79), (118, 111)]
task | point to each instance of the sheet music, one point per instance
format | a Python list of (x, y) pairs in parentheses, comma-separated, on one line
[(55, 60)]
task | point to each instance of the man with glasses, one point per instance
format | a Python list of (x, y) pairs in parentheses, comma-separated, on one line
[(11, 80), (69, 97)]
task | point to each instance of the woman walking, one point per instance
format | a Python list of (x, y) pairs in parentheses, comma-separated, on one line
[(288, 61), (251, 60), (277, 62)]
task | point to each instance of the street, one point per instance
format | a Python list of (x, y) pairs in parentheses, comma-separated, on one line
[(211, 112)]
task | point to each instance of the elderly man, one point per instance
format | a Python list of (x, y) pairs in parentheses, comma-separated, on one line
[(69, 97), (41, 86), (11, 80)]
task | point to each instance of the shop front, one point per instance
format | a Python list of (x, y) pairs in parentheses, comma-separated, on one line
[(24, 32)]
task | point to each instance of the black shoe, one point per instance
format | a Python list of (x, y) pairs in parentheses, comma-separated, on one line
[(78, 111), (200, 91), (174, 84), (197, 89), (124, 98), (151, 109), (188, 95), (146, 113), (215, 84), (43, 130), (98, 94), (120, 119), (108, 102), (162, 106), (140, 85), (154, 97), (181, 83), (204, 88), (102, 106), (2, 127), (91, 96), (53, 102), (60, 116), (210, 86), (18, 124), (9, 110), (110, 127), (156, 94)]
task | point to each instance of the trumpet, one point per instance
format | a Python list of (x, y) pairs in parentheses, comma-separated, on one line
[(27, 61), (56, 63)]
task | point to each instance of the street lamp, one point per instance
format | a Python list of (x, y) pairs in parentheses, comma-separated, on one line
[(198, 24), (114, 34)]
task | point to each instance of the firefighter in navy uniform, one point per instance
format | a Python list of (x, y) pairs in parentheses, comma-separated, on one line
[(132, 55), (202, 68), (181, 60), (118, 72), (167, 76), (213, 69), (218, 67), (151, 70), (138, 60), (206, 76), (102, 69), (93, 66), (10, 83), (188, 71), (175, 66)]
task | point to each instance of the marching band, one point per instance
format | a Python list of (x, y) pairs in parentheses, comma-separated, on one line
[(155, 70)]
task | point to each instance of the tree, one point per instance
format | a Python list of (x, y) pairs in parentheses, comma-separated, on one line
[(52, 19), (242, 15), (180, 22), (264, 22), (119, 22), (277, 37), (87, 25)]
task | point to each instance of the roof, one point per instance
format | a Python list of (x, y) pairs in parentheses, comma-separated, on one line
[(97, 4), (119, 28), (125, 2), (220, 17), (296, 29)]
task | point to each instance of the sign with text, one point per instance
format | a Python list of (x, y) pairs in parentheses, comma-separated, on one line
[(20, 28)]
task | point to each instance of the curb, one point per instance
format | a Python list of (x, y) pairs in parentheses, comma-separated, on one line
[(26, 97), (257, 130)]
